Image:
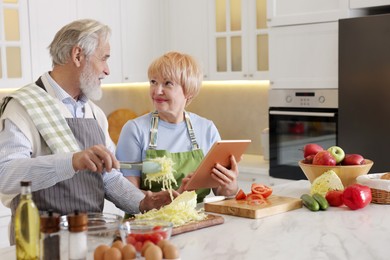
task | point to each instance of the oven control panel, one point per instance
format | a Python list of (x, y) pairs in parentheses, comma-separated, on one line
[(318, 98)]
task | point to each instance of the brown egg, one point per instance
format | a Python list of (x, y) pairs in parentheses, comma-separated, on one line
[(129, 252), (170, 251), (144, 246), (118, 244), (162, 243), (153, 252), (99, 252), (113, 254)]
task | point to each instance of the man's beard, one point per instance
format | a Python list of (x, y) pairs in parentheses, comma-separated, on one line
[(90, 84)]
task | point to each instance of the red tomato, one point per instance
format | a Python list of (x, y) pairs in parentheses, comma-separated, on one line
[(335, 198), (240, 195), (138, 246), (357, 196), (157, 228), (261, 189), (131, 240), (255, 199)]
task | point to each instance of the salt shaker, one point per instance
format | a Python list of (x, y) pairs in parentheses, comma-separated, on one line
[(77, 226), (50, 236)]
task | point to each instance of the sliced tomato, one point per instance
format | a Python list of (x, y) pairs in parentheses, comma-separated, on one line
[(255, 199), (240, 195), (261, 189)]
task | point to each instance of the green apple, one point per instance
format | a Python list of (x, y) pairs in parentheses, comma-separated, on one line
[(337, 153)]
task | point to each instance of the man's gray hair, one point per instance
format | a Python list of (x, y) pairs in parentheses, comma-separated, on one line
[(86, 33)]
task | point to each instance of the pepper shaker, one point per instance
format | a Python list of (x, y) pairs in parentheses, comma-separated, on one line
[(50, 236)]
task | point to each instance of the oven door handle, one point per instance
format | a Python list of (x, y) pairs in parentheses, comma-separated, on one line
[(295, 113)]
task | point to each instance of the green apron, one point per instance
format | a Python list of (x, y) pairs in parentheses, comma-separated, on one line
[(184, 162)]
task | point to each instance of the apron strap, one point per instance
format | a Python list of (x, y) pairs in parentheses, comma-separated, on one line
[(154, 128)]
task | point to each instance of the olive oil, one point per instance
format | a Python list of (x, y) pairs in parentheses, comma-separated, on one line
[(27, 225)]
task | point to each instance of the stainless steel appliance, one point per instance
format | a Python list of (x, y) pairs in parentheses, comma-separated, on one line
[(364, 88), (298, 117)]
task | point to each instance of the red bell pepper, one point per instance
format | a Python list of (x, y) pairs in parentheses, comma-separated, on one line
[(357, 196)]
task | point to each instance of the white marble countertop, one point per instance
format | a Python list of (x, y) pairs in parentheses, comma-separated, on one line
[(338, 233), (253, 164)]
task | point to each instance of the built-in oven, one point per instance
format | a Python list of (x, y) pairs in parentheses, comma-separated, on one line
[(298, 117)]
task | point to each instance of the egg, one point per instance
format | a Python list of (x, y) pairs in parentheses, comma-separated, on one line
[(162, 243), (113, 254), (99, 252), (144, 246), (170, 251), (128, 252), (118, 244), (153, 252)]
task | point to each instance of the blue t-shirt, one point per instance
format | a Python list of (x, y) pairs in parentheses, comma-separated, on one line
[(134, 138)]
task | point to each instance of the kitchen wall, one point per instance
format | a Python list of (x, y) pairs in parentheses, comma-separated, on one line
[(239, 109)]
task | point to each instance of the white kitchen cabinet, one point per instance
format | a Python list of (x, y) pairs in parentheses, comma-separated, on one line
[(287, 12), (238, 39), (107, 13), (46, 18), (44, 23), (187, 25), (15, 69), (367, 3), (143, 37), (304, 56)]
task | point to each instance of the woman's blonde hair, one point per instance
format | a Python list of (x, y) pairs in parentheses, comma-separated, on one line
[(181, 68)]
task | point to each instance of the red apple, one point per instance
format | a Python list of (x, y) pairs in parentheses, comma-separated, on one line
[(309, 159), (353, 159), (311, 149), (324, 158)]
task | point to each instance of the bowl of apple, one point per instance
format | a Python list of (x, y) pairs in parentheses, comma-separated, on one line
[(347, 166)]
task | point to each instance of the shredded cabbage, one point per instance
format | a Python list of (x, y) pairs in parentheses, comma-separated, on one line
[(180, 211), (165, 176)]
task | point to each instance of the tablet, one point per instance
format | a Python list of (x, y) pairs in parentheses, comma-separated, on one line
[(220, 153)]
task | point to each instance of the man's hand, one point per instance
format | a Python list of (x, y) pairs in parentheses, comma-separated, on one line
[(96, 159), (155, 200)]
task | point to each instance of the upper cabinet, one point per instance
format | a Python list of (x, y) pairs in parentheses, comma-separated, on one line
[(44, 23), (143, 37), (304, 56), (15, 61), (368, 3), (304, 42), (287, 12), (187, 30), (238, 46)]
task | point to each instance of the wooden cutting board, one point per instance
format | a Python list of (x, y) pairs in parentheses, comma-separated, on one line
[(211, 220), (240, 208)]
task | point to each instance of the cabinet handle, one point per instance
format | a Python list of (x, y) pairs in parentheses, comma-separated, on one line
[(245, 75), (251, 75), (126, 78)]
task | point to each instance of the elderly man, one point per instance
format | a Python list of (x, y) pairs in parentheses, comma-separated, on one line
[(53, 135)]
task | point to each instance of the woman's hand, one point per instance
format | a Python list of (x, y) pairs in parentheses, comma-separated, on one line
[(184, 182), (227, 178)]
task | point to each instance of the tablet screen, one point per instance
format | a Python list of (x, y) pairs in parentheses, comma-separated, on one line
[(220, 153)]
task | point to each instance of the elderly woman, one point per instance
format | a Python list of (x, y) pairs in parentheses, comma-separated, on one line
[(175, 80)]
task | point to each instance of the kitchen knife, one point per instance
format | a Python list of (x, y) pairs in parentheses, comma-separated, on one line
[(217, 198), (145, 167)]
